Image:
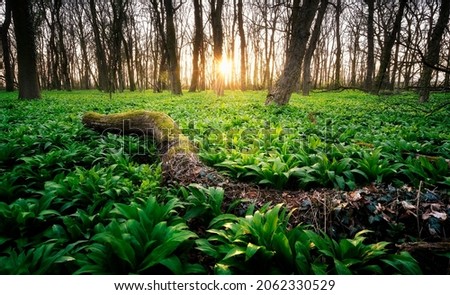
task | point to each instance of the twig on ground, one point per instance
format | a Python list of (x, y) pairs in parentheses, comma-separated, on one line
[(419, 231)]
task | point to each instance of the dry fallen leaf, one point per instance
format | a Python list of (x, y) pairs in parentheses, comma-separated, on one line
[(438, 215), (379, 208), (355, 196), (435, 207), (408, 206), (371, 188)]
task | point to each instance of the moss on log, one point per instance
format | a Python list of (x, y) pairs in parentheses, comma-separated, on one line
[(180, 163), (156, 125)]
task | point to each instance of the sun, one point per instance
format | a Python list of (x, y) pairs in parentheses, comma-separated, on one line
[(225, 67)]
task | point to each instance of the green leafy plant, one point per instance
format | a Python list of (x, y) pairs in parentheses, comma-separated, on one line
[(337, 173), (352, 256), (423, 169), (274, 172), (262, 243), (42, 259), (205, 202), (140, 240), (61, 183), (375, 167)]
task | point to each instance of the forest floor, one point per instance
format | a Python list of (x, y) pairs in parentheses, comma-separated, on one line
[(340, 162)]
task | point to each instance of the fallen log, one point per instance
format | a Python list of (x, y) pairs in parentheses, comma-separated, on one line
[(180, 163), (425, 246)]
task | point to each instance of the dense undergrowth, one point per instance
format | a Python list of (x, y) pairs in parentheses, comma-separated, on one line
[(74, 201)]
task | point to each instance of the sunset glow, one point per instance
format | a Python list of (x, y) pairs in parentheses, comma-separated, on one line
[(225, 67)]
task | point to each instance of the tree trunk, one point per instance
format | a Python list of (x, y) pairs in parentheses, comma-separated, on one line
[(312, 47), (128, 46), (354, 57), (26, 49), (370, 45), (197, 46), (115, 71), (433, 50), (171, 39), (53, 53), (382, 77), (243, 64), (217, 29), (338, 65), (302, 18), (4, 32), (447, 74), (265, 65), (159, 16), (395, 66), (67, 85), (102, 65), (86, 69)]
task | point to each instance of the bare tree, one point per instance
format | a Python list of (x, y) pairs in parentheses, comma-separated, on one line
[(217, 29), (370, 45), (382, 77), (6, 44), (128, 44), (171, 47), (26, 49), (338, 64), (302, 19), (312, 47), (433, 49), (100, 50), (116, 81), (65, 71), (243, 46), (198, 54)]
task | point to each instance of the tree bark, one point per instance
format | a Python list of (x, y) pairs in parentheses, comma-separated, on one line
[(171, 47), (447, 74), (302, 18), (382, 78), (338, 65), (197, 46), (243, 47), (161, 75), (102, 65), (53, 63), (217, 29), (6, 43), (370, 45), (433, 50), (354, 56), (115, 72), (128, 46), (312, 47), (395, 66), (26, 49), (65, 72)]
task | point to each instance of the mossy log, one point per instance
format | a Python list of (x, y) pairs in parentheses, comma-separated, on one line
[(180, 163)]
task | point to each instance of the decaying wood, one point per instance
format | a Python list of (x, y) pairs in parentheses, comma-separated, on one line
[(425, 246), (180, 163)]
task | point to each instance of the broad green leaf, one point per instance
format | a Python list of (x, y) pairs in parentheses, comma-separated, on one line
[(340, 268), (236, 251), (174, 264), (251, 250)]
